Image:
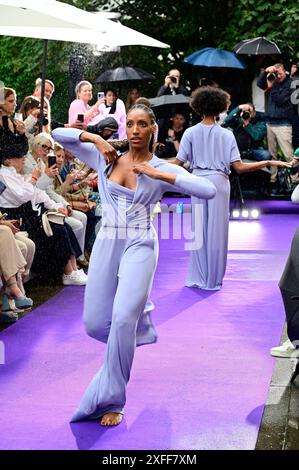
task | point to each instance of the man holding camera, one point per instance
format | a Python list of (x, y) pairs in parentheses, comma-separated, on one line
[(172, 84), (280, 111), (249, 130)]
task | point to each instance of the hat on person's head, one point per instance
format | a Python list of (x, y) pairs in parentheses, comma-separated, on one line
[(12, 146), (296, 153), (108, 123)]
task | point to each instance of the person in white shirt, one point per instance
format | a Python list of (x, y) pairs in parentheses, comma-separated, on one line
[(56, 254)]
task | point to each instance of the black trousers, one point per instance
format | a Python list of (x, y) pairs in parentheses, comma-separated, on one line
[(289, 287)]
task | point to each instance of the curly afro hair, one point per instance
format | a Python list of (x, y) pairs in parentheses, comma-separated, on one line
[(210, 101)]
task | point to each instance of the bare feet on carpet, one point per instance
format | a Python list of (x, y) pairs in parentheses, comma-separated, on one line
[(111, 419)]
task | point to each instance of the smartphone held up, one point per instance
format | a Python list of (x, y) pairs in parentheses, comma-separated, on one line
[(51, 160)]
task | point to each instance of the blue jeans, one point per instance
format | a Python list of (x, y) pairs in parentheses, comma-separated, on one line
[(261, 154)]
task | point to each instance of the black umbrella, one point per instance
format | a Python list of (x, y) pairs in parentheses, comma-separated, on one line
[(256, 46), (169, 100), (123, 74)]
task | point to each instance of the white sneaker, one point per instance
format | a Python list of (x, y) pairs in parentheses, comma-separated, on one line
[(285, 350), (82, 274), (73, 279)]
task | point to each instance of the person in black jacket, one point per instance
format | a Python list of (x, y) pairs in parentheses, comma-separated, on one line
[(171, 87), (280, 111), (172, 84)]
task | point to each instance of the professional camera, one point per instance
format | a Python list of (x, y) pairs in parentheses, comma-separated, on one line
[(173, 79), (245, 115), (295, 169), (271, 77)]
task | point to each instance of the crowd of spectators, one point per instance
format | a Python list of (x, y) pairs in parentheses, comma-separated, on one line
[(50, 209)]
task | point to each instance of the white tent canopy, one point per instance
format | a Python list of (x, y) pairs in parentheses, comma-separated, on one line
[(51, 19)]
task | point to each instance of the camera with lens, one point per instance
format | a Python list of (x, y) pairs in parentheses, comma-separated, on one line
[(245, 115), (295, 169), (172, 78), (271, 77)]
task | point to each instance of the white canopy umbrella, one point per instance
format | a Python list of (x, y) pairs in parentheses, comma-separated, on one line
[(54, 20), (51, 19)]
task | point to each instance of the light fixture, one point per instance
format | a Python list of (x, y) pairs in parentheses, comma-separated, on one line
[(255, 213), (245, 214), (235, 214)]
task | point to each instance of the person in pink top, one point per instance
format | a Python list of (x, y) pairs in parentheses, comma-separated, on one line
[(115, 107), (80, 105)]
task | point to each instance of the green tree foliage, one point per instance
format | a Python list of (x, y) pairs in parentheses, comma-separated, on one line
[(21, 64), (277, 20), (187, 25)]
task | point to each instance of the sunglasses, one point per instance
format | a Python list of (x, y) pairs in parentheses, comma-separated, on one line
[(46, 147)]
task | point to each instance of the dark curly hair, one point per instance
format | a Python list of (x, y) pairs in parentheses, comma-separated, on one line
[(210, 101)]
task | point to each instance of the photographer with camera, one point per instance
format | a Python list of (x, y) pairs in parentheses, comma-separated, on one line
[(249, 130), (280, 111), (172, 84)]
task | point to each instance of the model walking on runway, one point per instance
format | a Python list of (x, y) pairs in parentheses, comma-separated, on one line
[(211, 150), (124, 256)]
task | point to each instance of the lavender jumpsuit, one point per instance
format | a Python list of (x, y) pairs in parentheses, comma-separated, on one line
[(121, 270), (210, 149)]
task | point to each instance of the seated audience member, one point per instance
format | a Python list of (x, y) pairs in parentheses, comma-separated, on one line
[(81, 106), (8, 125), (12, 266), (55, 254), (133, 95), (76, 219), (115, 107), (49, 88), (26, 245), (171, 144), (30, 110), (36, 168), (76, 193)]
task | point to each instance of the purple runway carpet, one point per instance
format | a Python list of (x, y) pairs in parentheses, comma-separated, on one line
[(202, 386)]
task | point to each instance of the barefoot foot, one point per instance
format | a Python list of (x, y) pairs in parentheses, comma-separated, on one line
[(111, 419)]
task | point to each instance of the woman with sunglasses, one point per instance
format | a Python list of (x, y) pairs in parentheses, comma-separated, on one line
[(36, 166)]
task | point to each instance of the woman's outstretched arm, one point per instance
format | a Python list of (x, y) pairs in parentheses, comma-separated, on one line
[(175, 177), (242, 167)]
